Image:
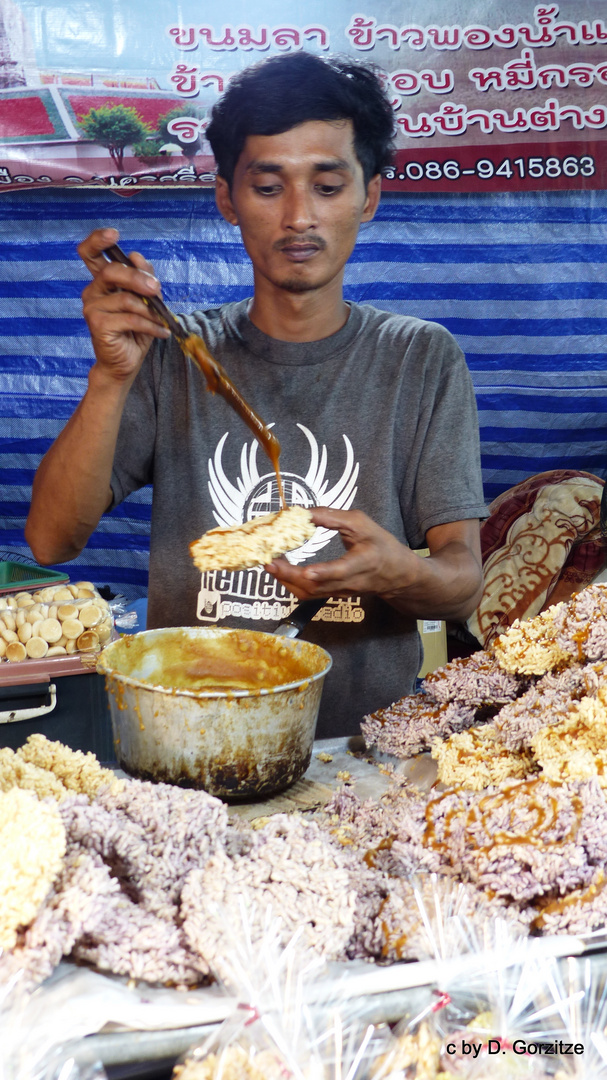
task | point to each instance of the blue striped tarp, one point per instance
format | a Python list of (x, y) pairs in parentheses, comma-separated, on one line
[(519, 279)]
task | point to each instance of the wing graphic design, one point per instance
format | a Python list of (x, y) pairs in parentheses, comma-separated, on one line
[(229, 499)]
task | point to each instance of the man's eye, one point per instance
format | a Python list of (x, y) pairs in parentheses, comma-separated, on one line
[(267, 189), (328, 189)]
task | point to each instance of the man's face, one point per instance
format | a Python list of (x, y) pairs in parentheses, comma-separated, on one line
[(299, 199)]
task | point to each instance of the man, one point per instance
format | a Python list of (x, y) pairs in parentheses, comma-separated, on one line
[(375, 412)]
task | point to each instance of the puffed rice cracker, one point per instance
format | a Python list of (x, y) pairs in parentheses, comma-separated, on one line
[(253, 543)]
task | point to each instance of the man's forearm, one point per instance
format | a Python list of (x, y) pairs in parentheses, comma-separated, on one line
[(71, 488), (448, 585)]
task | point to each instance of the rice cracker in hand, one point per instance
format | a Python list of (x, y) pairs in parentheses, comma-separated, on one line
[(254, 542)]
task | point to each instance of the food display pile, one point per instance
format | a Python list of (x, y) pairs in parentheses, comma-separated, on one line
[(455, 1039), (518, 827), (145, 865), (56, 620), (142, 879)]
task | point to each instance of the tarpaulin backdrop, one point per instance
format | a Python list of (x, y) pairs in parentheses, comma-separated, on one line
[(488, 95), (519, 278)]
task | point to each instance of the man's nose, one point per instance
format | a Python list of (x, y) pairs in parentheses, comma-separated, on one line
[(299, 213)]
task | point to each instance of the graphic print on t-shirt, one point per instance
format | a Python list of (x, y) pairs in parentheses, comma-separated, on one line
[(253, 593)]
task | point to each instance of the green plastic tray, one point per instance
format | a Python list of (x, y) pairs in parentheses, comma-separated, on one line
[(16, 576)]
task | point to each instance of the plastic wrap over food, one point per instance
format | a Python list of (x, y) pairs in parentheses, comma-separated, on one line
[(539, 1018), (577, 988), (289, 1020), (57, 620), (32, 1052), (59, 1065), (432, 916), (490, 1020)]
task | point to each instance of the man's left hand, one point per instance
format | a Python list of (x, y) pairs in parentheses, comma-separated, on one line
[(445, 585), (368, 565)]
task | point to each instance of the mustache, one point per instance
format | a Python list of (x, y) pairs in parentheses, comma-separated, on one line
[(303, 241)]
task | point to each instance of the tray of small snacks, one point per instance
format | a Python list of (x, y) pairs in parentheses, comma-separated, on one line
[(60, 627)]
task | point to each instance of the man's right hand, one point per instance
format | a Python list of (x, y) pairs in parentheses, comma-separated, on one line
[(121, 324), (72, 486)]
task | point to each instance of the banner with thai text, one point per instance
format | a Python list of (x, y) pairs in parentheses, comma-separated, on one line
[(487, 96)]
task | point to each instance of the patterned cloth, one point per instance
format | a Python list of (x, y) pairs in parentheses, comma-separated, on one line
[(540, 544)]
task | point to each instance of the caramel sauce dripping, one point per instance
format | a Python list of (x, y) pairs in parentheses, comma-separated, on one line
[(218, 382), (384, 845), (579, 638), (391, 942), (481, 813), (429, 837), (555, 907)]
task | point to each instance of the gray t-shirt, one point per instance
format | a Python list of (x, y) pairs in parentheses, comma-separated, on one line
[(379, 417)]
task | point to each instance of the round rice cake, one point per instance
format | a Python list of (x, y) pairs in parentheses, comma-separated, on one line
[(253, 543), (36, 648), (15, 652)]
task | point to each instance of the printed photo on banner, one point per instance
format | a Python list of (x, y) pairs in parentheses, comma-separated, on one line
[(487, 96)]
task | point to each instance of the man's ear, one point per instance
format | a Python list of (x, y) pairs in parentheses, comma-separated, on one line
[(373, 196), (223, 200)]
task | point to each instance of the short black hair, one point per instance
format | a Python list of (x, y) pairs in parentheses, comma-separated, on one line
[(283, 91)]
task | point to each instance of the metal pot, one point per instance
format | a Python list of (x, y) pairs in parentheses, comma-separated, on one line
[(236, 744)]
